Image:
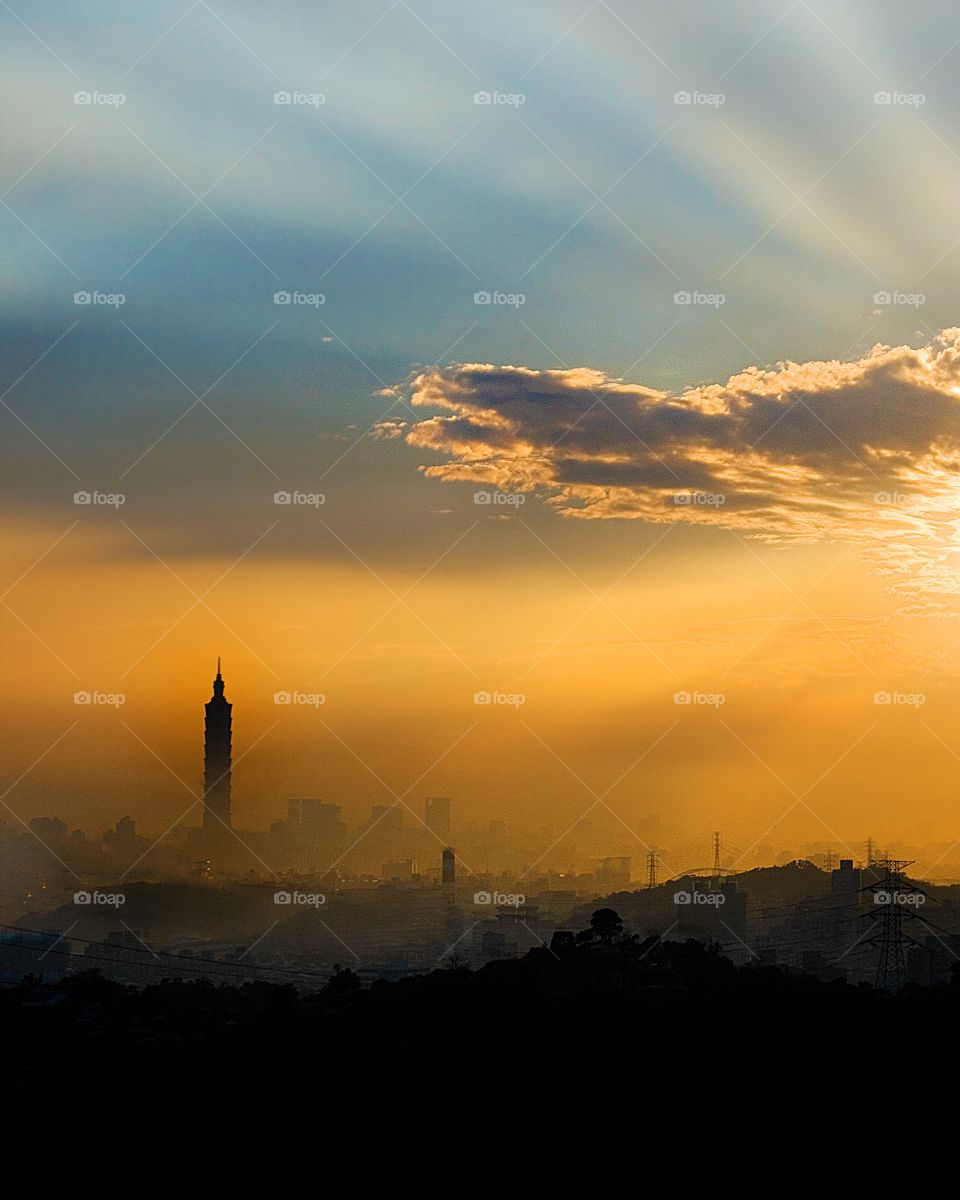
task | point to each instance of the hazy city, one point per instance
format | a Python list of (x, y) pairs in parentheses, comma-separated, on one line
[(405, 891), (479, 584)]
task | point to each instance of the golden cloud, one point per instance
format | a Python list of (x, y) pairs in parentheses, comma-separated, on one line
[(866, 450)]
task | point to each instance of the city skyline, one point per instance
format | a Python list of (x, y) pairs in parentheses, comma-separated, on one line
[(594, 836), (479, 578), (579, 378), (338, 833)]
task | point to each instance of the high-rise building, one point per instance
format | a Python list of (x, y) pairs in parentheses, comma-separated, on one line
[(216, 759), (448, 869), (845, 879), (314, 817), (437, 815), (613, 874), (386, 819)]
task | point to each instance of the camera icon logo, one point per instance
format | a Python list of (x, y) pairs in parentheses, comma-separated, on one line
[(282, 698), (682, 97), (682, 297), (482, 298), (882, 98), (82, 898), (282, 498), (482, 698), (82, 498), (282, 98), (82, 297), (482, 98), (82, 698), (282, 898), (282, 297), (482, 898), (682, 698), (682, 898), (82, 98)]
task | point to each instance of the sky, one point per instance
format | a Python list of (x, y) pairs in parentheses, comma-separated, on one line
[(619, 362)]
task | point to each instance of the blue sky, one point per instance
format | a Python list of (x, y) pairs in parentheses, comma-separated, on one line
[(597, 198), (783, 194)]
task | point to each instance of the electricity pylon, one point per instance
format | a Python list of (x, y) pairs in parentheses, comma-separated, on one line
[(893, 899), (652, 869)]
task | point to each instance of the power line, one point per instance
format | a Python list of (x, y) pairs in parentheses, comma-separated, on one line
[(199, 964)]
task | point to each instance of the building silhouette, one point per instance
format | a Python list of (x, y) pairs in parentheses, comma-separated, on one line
[(216, 759), (437, 815), (448, 871), (613, 874)]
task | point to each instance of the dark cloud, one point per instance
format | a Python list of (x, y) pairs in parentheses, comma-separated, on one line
[(802, 450), (866, 450)]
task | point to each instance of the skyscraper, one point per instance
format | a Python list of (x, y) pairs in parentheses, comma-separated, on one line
[(448, 871), (437, 815), (216, 759), (449, 867)]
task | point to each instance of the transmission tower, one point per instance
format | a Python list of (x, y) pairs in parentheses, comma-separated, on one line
[(890, 906), (717, 870), (652, 869), (870, 851)]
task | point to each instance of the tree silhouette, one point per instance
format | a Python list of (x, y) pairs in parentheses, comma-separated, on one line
[(563, 941), (343, 982), (605, 925)]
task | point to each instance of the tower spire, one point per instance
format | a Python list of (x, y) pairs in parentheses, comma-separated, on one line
[(218, 736)]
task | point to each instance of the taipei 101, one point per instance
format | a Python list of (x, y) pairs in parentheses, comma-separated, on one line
[(479, 583)]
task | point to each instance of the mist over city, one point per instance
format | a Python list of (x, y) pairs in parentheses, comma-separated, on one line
[(480, 584)]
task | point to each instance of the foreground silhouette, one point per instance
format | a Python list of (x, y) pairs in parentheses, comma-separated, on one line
[(600, 1025)]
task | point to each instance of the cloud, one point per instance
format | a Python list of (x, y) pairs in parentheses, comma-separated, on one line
[(792, 451), (866, 450)]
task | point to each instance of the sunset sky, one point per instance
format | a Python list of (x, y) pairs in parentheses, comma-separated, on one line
[(713, 400)]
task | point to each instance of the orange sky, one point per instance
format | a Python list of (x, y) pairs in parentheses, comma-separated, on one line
[(798, 751)]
